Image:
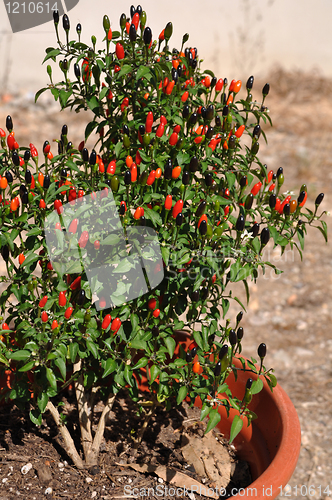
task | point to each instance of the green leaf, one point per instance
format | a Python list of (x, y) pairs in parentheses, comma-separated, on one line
[(206, 408), (141, 363), (170, 344), (51, 54), (214, 419), (36, 416), (142, 71), (93, 104), (21, 355), (257, 386), (126, 68), (128, 375), (51, 378), (182, 393), (165, 253), (117, 150), (110, 367), (64, 96), (60, 363), (198, 339), (27, 367), (42, 401), (90, 128), (236, 427), (73, 350), (40, 92), (92, 348), (153, 216), (138, 344), (154, 372)]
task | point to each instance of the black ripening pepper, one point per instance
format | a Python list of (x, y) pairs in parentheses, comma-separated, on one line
[(210, 112), (132, 10), (9, 123), (195, 296), (261, 350), (193, 165), (123, 21), (213, 82), (142, 221), (319, 199), (249, 383), (179, 219), (189, 357), (249, 201), (254, 229), (217, 369), (185, 177), (56, 17), (77, 71), (205, 292), (266, 89), (63, 173), (185, 112), (122, 209), (240, 333), (139, 9), (208, 179), (265, 236), (203, 112), (65, 22), (27, 155), (280, 171), (243, 181), (225, 111), (286, 210), (223, 351), (301, 197), (16, 159), (250, 82), (132, 33), (231, 142), (127, 177), (239, 317), (9, 176), (147, 36), (201, 208), (193, 119), (85, 155), (272, 200), (5, 252), (210, 132), (28, 177), (232, 337), (257, 132), (93, 157), (47, 181), (203, 227), (78, 28), (240, 223), (193, 351), (168, 171)]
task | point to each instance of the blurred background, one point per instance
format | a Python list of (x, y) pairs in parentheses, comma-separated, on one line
[(235, 39), (288, 44)]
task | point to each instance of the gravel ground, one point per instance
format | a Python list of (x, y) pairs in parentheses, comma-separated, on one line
[(291, 312)]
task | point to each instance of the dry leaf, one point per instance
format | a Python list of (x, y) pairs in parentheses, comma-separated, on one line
[(179, 479)]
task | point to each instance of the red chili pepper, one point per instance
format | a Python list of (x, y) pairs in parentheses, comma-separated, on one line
[(96, 244), (125, 205), (133, 172), (21, 258), (185, 96), (125, 104), (277, 206), (213, 144), (2, 133), (304, 199), (73, 226), (3, 183), (271, 188), (111, 167), (127, 27), (156, 313), (177, 209), (219, 85), (116, 68), (69, 312), (173, 139), (269, 176), (158, 173), (286, 200), (138, 158), (176, 172), (119, 50), (151, 178), (101, 167), (106, 321), (227, 193), (43, 301), (231, 85), (47, 149), (11, 142), (33, 151), (54, 324), (199, 139), (226, 210), (58, 206), (62, 299), (207, 82), (80, 193), (5, 326), (149, 122), (160, 130), (162, 36), (115, 326), (237, 86), (44, 316), (58, 226), (177, 129), (240, 131), (168, 202), (152, 304), (196, 367), (76, 284), (84, 238), (163, 120), (256, 188), (170, 87), (138, 213)]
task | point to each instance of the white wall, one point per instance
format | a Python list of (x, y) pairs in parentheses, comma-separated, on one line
[(236, 38)]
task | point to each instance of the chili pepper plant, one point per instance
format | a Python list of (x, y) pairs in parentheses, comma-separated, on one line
[(176, 148)]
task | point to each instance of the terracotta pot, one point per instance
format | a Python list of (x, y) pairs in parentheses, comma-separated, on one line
[(271, 445)]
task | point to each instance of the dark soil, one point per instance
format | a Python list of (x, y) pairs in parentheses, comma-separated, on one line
[(24, 446)]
